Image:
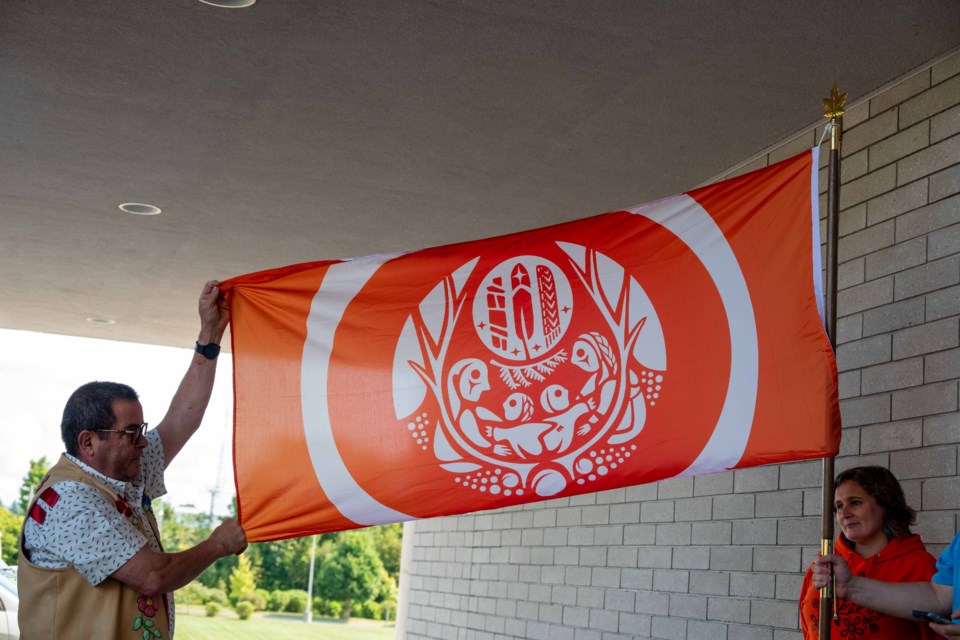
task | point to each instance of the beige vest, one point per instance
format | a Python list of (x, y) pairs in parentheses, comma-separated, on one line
[(60, 604)]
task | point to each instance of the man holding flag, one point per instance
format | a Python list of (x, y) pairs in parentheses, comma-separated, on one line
[(91, 561)]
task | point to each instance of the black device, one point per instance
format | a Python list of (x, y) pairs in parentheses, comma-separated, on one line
[(930, 616), (208, 351)]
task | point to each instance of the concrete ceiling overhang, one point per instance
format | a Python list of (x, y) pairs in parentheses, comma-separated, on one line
[(301, 130)]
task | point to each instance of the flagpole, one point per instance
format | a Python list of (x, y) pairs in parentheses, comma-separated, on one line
[(308, 616), (834, 110)]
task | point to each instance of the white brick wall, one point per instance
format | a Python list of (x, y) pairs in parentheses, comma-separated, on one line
[(720, 557)]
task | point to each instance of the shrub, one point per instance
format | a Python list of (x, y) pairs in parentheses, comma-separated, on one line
[(297, 602), (389, 608), (369, 609), (218, 596), (258, 602), (193, 593), (336, 608), (330, 608), (244, 609), (212, 609), (278, 600)]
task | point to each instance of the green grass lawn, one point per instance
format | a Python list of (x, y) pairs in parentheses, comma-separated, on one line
[(193, 625)]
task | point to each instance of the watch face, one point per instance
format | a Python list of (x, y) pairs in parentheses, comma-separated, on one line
[(209, 351)]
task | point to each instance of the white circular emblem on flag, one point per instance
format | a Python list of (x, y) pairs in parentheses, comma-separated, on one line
[(554, 389)]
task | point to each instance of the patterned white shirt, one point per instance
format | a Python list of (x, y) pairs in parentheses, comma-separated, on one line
[(85, 530)]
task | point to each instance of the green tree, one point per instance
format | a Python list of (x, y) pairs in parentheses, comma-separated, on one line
[(217, 575), (10, 524), (388, 540), (179, 532), (282, 564), (389, 600), (285, 564), (353, 572), (242, 579), (38, 469)]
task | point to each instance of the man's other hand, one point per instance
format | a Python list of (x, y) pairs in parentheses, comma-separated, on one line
[(230, 536)]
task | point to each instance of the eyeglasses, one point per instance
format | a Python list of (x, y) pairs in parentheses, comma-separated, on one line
[(134, 431)]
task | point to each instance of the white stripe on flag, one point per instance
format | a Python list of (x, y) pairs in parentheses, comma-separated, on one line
[(686, 219), (340, 284)]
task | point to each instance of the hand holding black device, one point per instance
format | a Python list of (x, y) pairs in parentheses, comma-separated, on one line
[(930, 616)]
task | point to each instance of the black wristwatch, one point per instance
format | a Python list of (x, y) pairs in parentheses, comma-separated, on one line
[(209, 351)]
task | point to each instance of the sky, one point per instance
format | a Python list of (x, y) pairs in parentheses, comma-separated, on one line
[(38, 372)]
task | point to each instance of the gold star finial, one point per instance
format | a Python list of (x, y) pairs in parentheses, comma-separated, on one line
[(833, 106)]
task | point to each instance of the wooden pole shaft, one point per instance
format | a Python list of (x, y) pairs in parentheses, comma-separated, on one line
[(827, 602)]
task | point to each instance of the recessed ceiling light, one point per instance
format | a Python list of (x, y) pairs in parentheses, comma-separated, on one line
[(139, 209), (102, 320), (230, 4)]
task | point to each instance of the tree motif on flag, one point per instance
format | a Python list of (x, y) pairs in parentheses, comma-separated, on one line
[(561, 410)]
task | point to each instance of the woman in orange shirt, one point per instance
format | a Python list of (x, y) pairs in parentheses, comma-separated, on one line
[(876, 542)]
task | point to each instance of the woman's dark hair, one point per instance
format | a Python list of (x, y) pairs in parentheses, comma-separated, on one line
[(886, 490), (90, 408)]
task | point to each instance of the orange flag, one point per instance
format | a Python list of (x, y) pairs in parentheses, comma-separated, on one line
[(673, 338)]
